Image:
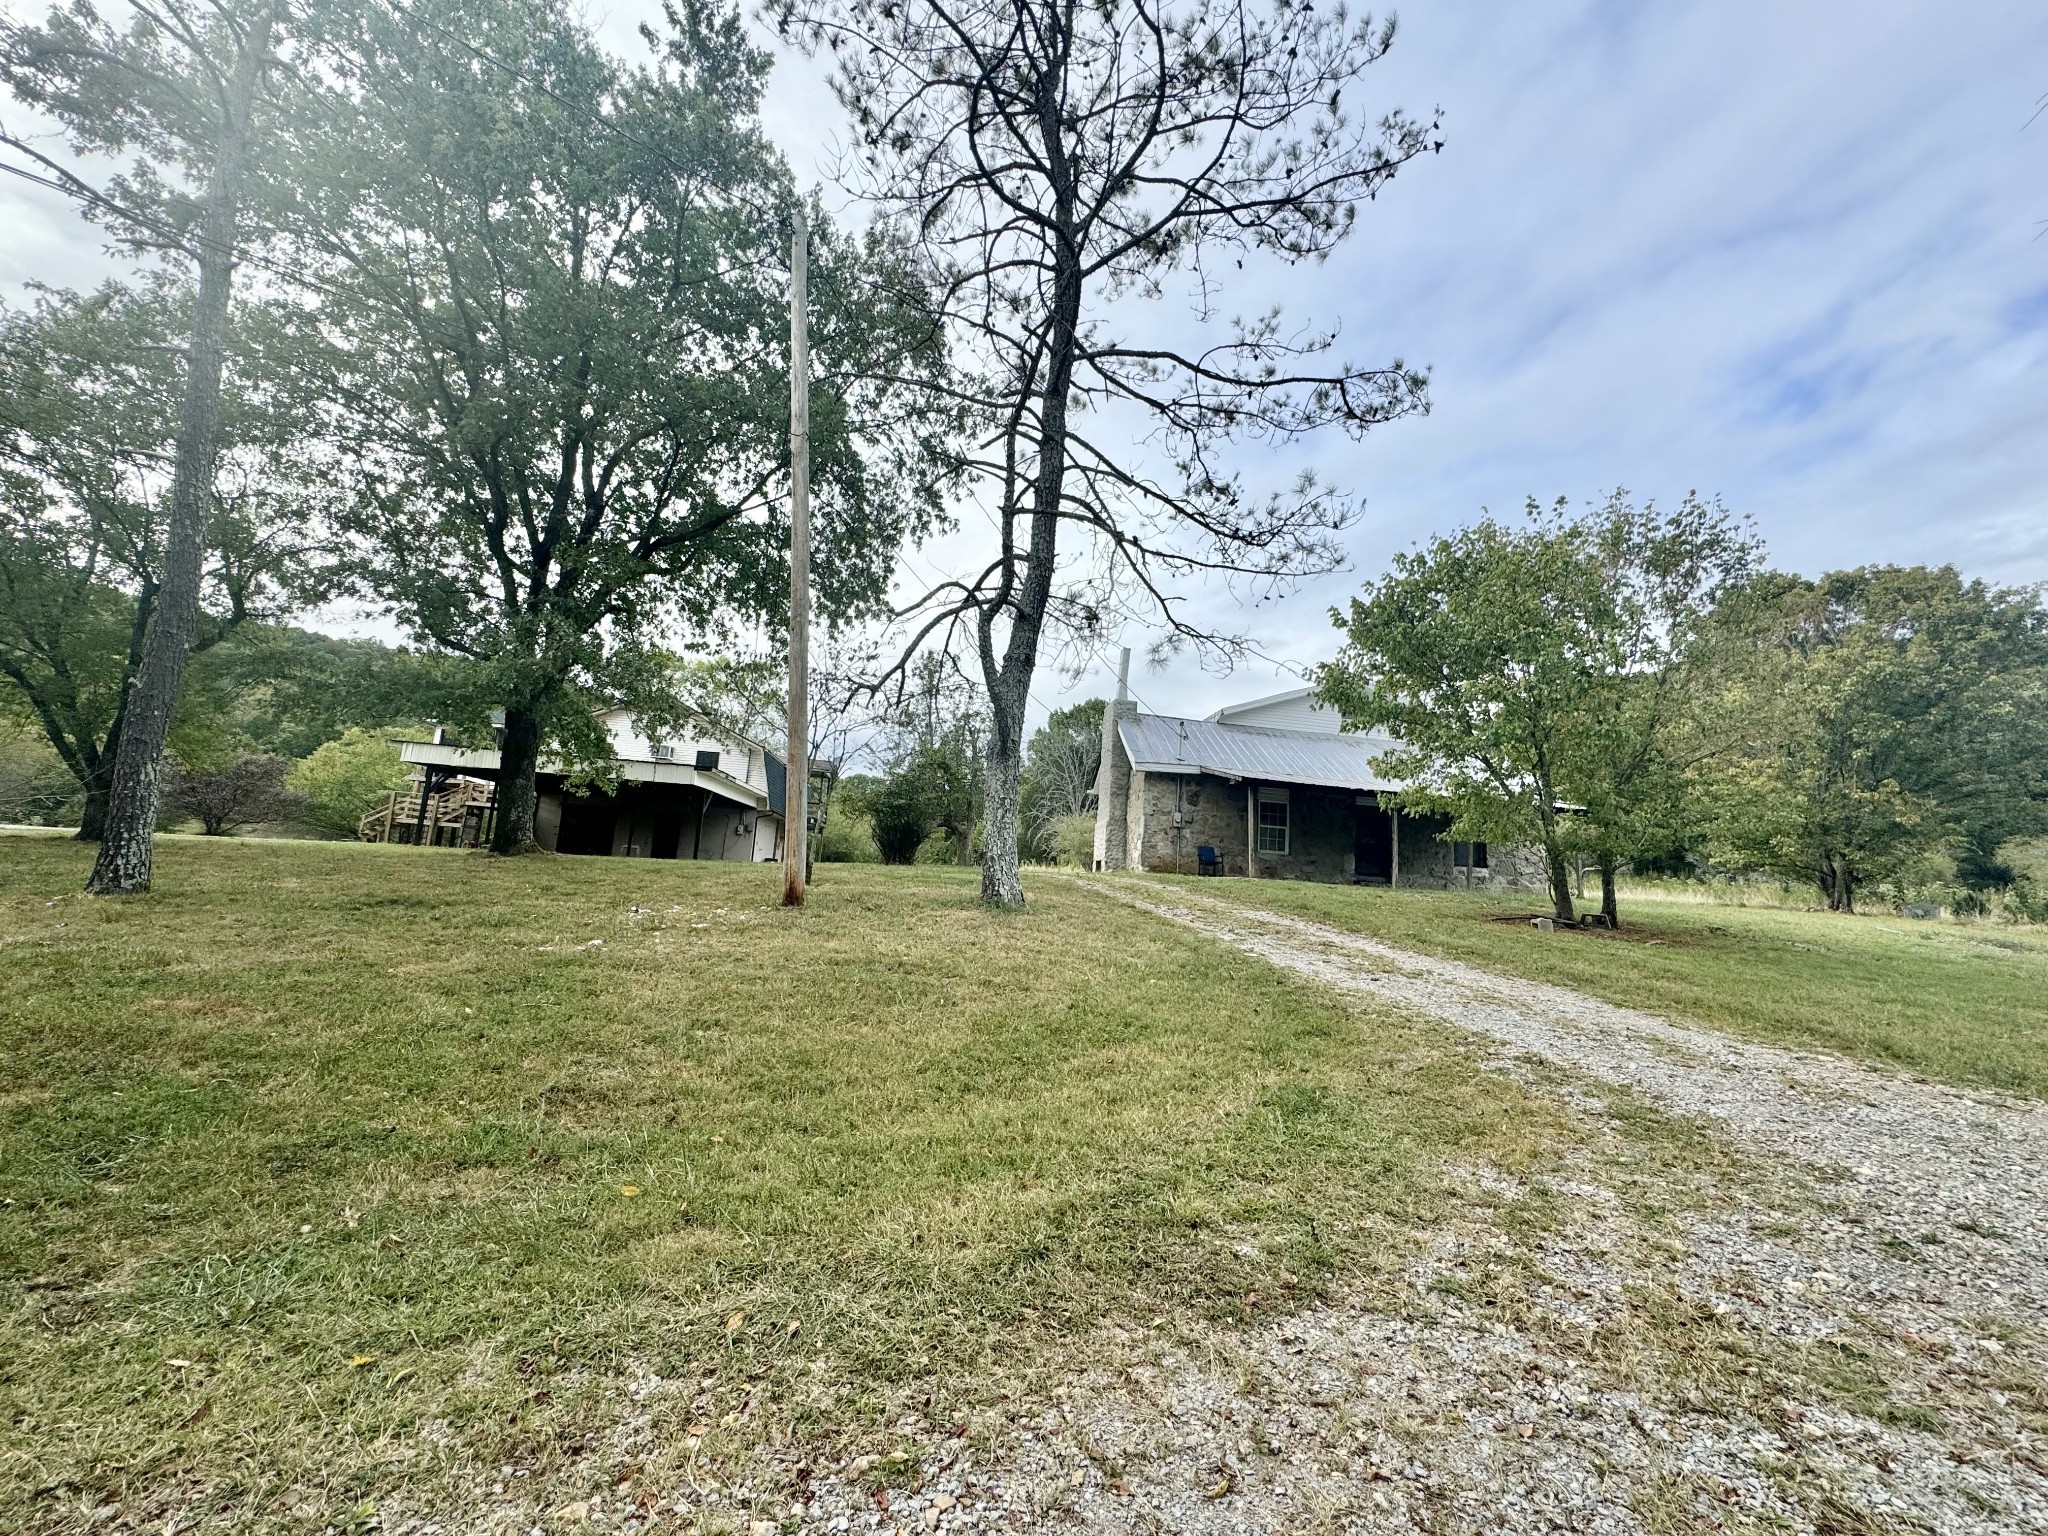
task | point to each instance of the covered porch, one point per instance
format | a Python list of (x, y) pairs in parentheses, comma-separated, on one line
[(658, 810)]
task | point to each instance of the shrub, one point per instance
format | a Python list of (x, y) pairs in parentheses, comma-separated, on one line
[(249, 790), (901, 817), (848, 839), (345, 779), (1073, 840)]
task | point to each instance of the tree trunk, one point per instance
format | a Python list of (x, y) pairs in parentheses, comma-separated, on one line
[(127, 839), (1560, 881), (963, 845), (1609, 912), (99, 792), (1843, 897), (1001, 883), (1010, 684), (518, 763)]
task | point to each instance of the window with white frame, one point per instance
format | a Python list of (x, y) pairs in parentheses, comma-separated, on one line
[(1273, 821)]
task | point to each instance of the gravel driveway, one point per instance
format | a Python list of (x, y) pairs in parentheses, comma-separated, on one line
[(1776, 1291), (1896, 1226)]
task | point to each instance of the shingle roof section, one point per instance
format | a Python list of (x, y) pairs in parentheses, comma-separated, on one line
[(1168, 744)]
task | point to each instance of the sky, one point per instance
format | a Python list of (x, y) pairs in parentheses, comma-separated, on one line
[(1793, 254)]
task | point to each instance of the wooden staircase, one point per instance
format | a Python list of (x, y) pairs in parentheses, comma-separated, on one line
[(441, 812)]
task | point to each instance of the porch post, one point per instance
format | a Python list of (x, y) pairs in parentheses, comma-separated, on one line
[(1394, 863), (433, 823), (1251, 830)]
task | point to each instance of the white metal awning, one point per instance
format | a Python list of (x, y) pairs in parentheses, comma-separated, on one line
[(485, 765)]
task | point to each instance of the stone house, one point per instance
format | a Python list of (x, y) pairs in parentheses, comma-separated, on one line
[(1276, 789)]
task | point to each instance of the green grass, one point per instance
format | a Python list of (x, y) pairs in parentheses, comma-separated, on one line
[(330, 1173), (1954, 1002)]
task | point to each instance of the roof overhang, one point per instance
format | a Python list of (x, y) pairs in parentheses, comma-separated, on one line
[(1362, 783), (486, 765)]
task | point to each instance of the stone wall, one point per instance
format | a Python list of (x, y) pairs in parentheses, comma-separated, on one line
[(1212, 812), (1322, 837), (1113, 788)]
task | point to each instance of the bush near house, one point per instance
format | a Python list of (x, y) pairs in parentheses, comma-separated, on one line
[(345, 779)]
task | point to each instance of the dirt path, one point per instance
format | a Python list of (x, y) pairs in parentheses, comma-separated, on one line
[(1791, 1295), (1882, 1262), (1910, 1156)]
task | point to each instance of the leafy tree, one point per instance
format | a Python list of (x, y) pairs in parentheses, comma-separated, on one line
[(900, 811), (343, 780), (289, 690), (1893, 713), (90, 401), (1544, 680), (1057, 163), (176, 96), (1647, 722), (249, 790), (940, 729), (552, 311), (1481, 653), (1059, 773), (952, 774)]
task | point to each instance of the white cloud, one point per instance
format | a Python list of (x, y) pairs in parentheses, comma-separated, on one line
[(1782, 250)]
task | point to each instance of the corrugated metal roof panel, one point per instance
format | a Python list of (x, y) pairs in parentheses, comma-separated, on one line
[(1168, 744)]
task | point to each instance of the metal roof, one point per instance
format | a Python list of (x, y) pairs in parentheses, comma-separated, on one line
[(1169, 744)]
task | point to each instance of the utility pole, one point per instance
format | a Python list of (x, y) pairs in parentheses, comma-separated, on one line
[(796, 840)]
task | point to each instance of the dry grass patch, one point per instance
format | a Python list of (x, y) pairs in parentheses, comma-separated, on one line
[(333, 1174)]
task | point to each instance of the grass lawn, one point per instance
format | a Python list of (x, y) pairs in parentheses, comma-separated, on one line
[(1954, 1002), (332, 1172)]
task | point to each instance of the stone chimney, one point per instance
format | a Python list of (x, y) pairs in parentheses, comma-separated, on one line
[(1113, 777)]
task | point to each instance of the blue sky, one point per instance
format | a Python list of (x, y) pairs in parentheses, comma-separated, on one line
[(1785, 253), (1788, 253)]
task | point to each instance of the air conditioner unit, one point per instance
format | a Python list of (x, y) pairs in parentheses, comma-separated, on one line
[(708, 760), (663, 754)]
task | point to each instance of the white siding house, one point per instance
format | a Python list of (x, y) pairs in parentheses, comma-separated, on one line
[(699, 793)]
